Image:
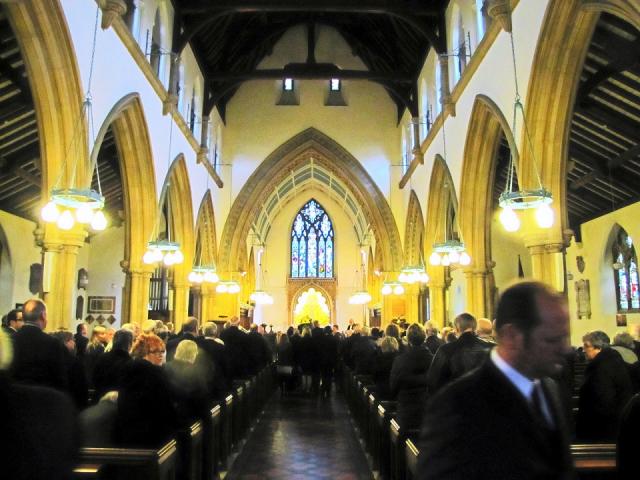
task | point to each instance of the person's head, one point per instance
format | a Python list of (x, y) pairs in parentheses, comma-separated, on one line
[(65, 337), (170, 327), (415, 334), (335, 328), (283, 340), (389, 345), (392, 330), (624, 339), (316, 324), (485, 327), (446, 331), (81, 329), (133, 328), (99, 335), (34, 312), (148, 326), (306, 331), (365, 331), (532, 327), (376, 333), (109, 334), (327, 330), (191, 326), (594, 342), (14, 319), (290, 331), (465, 322), (210, 330), (122, 340), (187, 351), (253, 328), (149, 347), (430, 329)]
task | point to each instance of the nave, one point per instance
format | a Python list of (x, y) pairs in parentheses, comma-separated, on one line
[(301, 437)]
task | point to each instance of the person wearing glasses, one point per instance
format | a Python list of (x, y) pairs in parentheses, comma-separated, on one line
[(146, 413)]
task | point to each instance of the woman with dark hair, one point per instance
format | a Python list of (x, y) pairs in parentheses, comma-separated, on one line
[(146, 414)]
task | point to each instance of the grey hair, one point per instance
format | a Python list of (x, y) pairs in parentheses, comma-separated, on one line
[(598, 339), (187, 351), (624, 339), (389, 344)]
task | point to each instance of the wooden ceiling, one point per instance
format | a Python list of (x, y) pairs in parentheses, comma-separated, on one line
[(231, 37)]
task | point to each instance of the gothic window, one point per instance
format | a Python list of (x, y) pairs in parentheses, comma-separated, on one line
[(312, 243), (625, 265)]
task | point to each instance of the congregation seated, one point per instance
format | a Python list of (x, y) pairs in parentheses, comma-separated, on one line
[(389, 350), (189, 332), (146, 413), (408, 378), (109, 367)]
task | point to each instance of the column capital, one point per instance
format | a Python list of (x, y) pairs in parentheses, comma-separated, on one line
[(546, 248), (51, 239), (110, 10), (500, 10)]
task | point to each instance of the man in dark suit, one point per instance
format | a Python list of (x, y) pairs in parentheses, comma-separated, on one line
[(216, 356), (236, 345), (38, 358), (189, 332), (506, 418), (14, 322), (454, 359), (81, 339)]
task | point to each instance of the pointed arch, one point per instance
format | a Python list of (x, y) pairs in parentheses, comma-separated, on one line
[(178, 187), (52, 72), (487, 124), (299, 150), (206, 231), (557, 66), (312, 242), (135, 158), (414, 233)]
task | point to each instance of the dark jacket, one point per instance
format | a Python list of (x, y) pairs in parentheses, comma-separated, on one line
[(108, 371), (433, 343), (363, 352), (235, 343), (605, 392), (146, 413), (408, 384), (39, 359), (259, 353), (98, 424), (215, 353), (173, 343), (188, 390), (81, 344), (481, 427), (381, 373), (455, 359)]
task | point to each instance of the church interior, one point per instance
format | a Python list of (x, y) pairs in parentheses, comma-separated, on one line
[(281, 162)]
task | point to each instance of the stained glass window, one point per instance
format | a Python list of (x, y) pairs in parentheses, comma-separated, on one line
[(625, 265), (312, 242)]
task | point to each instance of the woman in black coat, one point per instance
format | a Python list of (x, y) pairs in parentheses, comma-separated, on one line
[(408, 379), (382, 367)]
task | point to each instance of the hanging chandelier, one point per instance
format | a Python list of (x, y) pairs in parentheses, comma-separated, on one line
[(389, 288), (360, 297), (203, 274), (66, 206), (411, 275), (259, 296), (228, 286), (451, 250), (540, 198), (164, 250)]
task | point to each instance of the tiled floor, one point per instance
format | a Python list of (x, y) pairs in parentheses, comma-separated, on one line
[(302, 438)]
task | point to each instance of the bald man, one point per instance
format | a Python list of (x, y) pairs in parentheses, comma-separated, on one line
[(485, 330)]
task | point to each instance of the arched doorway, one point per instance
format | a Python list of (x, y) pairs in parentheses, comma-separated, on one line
[(312, 303)]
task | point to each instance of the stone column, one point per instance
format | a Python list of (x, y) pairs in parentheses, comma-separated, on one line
[(438, 303), (448, 106), (171, 101), (59, 279), (547, 264), (203, 153), (135, 301), (207, 302), (180, 303), (476, 301), (412, 302)]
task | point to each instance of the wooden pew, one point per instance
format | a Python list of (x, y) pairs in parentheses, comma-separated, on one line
[(411, 456), (386, 411), (133, 463), (190, 452), (226, 431), (595, 461), (397, 451), (212, 443)]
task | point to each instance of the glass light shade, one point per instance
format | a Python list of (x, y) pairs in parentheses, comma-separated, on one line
[(454, 257), (398, 290), (222, 288), (178, 257), (157, 255), (168, 259), (509, 220), (402, 277), (424, 278), (148, 257), (99, 221), (234, 288), (195, 277), (50, 212), (465, 259), (386, 289), (211, 277), (435, 259), (84, 214), (65, 221), (445, 260), (544, 216)]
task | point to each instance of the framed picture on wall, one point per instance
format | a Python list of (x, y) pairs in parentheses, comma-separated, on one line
[(102, 305)]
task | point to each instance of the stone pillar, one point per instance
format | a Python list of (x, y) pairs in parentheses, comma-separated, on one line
[(448, 106), (207, 302), (438, 303), (500, 11), (412, 302), (110, 10), (476, 301), (547, 264), (59, 279), (171, 101), (203, 153), (180, 303), (135, 301)]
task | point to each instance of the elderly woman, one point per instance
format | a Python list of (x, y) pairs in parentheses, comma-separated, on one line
[(188, 383), (389, 350), (146, 413)]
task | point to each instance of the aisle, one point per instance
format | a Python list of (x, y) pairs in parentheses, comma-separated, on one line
[(301, 438)]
